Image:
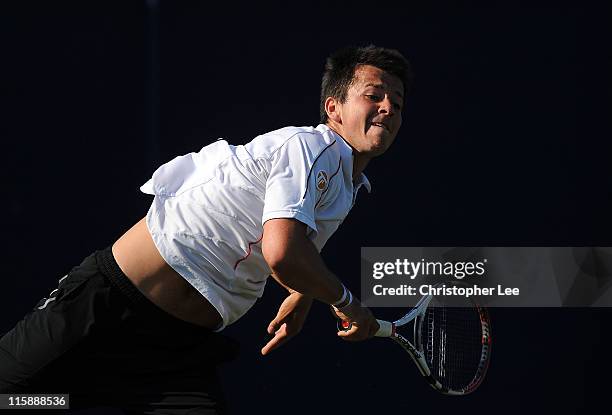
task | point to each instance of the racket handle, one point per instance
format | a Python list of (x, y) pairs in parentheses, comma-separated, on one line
[(385, 329)]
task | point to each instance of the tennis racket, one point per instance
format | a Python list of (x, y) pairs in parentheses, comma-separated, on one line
[(451, 346)]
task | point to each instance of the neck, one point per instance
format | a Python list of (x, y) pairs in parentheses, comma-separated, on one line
[(359, 164), (359, 161)]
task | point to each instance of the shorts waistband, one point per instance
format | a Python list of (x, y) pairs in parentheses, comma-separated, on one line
[(109, 267)]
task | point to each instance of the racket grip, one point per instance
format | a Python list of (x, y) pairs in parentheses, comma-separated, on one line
[(385, 329)]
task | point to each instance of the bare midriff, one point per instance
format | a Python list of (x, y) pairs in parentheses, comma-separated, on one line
[(139, 259)]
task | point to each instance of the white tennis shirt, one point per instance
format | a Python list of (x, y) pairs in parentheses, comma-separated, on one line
[(209, 208)]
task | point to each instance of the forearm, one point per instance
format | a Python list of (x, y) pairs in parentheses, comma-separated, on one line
[(297, 265), (308, 275), (282, 284)]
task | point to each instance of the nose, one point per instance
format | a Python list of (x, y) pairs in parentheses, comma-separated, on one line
[(386, 106)]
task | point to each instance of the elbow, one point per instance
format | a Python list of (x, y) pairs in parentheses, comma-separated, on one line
[(284, 260), (283, 245), (277, 258), (284, 268)]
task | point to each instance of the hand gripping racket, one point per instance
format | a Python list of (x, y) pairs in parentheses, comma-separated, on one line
[(451, 346)]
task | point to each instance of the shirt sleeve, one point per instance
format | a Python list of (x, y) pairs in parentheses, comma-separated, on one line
[(291, 188)]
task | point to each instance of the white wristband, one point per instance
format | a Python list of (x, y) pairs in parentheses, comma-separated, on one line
[(348, 302), (343, 298)]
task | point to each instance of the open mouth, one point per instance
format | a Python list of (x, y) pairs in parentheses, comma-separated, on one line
[(381, 125)]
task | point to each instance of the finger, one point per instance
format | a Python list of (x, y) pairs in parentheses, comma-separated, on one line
[(349, 334), (356, 333), (337, 313), (279, 338), (271, 345), (272, 327), (275, 343), (334, 311), (276, 324)]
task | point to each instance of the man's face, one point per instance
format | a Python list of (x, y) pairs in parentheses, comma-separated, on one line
[(371, 116)]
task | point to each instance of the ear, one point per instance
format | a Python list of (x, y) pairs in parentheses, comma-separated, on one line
[(333, 108)]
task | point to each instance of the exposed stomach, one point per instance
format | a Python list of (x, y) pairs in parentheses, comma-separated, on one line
[(139, 259)]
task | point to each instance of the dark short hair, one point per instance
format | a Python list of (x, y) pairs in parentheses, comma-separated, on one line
[(340, 70)]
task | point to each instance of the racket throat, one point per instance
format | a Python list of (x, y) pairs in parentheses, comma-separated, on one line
[(419, 359)]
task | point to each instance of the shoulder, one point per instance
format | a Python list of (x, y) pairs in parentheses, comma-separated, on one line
[(308, 139)]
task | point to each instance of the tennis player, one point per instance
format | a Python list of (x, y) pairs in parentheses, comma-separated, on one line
[(140, 320)]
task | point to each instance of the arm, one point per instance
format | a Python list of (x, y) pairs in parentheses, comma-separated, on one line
[(297, 264), (290, 290)]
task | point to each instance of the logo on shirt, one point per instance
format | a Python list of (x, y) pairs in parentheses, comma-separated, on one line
[(322, 180)]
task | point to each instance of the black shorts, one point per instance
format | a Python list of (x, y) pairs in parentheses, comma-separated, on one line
[(100, 340)]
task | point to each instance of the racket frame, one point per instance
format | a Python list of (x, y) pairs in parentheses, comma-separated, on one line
[(416, 314)]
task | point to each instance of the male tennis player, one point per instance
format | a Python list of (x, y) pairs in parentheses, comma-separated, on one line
[(140, 319)]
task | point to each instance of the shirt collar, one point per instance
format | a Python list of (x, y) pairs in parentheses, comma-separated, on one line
[(346, 153)]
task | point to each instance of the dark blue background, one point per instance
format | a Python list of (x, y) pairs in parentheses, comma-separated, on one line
[(505, 142)]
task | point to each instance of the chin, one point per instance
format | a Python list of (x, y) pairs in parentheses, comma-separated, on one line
[(379, 143), (377, 149)]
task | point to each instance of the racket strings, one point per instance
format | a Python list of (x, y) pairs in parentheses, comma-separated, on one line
[(453, 346)]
